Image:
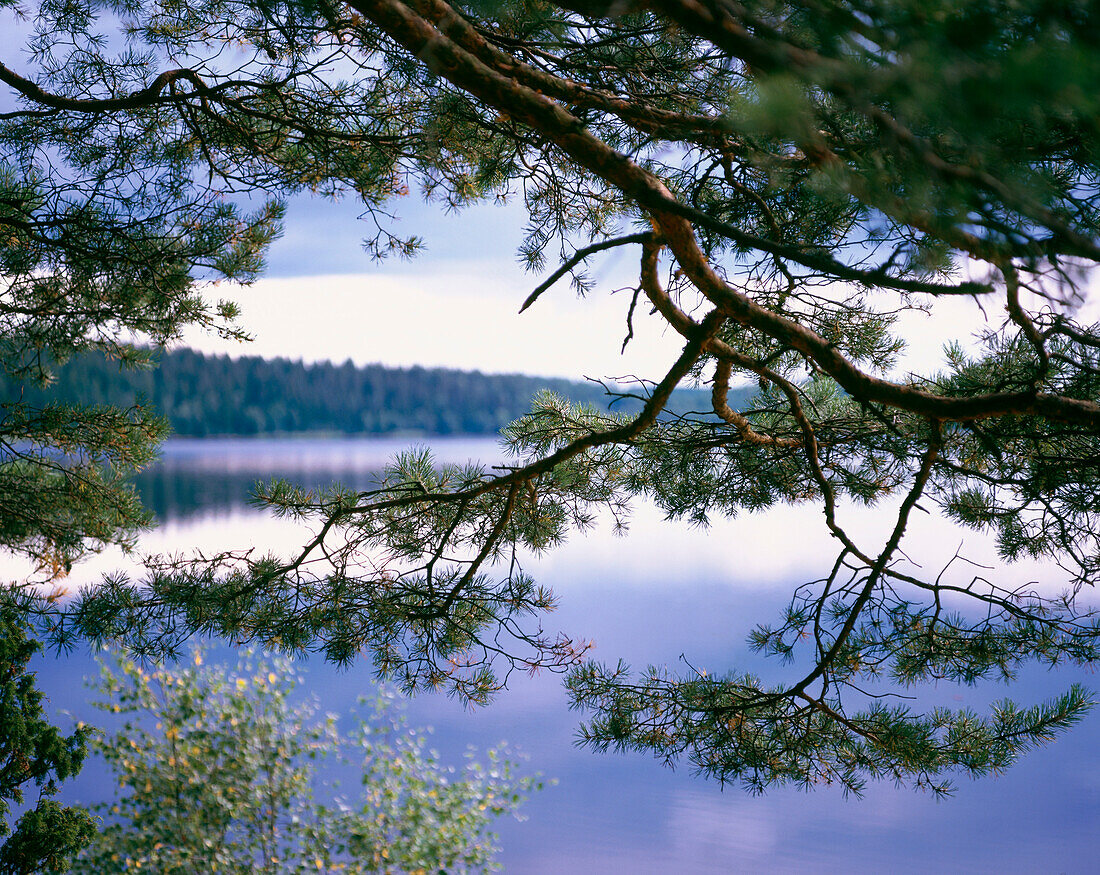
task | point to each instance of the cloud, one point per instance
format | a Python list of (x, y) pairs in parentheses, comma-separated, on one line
[(445, 317)]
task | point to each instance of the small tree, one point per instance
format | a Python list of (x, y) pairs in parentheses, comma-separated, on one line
[(216, 771), (32, 752)]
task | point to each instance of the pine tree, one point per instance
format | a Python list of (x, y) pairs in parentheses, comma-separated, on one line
[(36, 756), (790, 177)]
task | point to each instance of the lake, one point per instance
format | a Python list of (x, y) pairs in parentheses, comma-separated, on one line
[(662, 594)]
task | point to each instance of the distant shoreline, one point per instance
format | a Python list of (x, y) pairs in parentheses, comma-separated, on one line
[(204, 396)]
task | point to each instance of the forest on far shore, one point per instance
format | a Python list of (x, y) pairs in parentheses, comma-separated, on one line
[(204, 395)]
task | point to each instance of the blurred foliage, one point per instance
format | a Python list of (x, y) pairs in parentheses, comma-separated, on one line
[(217, 770)]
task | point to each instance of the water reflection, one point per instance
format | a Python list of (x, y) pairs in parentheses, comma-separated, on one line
[(216, 476), (655, 596)]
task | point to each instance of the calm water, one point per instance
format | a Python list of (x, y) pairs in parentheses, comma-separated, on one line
[(659, 595)]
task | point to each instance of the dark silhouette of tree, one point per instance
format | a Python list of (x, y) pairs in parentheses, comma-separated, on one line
[(34, 755)]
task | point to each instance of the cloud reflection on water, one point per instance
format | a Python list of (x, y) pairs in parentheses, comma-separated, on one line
[(659, 593)]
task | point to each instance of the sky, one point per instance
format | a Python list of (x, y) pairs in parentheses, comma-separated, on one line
[(457, 304)]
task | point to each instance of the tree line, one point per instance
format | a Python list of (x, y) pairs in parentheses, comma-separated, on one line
[(204, 395)]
